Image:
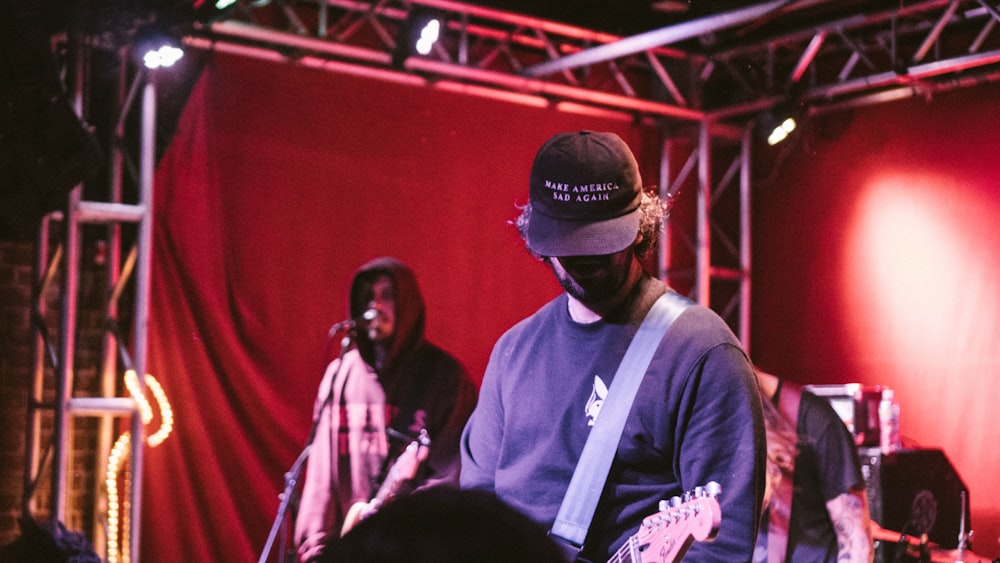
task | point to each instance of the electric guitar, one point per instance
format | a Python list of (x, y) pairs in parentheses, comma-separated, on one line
[(403, 469), (666, 536)]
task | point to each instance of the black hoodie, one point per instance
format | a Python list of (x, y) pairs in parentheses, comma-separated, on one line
[(425, 387)]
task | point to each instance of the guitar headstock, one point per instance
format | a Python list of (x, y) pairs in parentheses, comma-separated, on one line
[(667, 534)]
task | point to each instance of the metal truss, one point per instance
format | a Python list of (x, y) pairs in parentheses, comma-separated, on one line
[(483, 52), (80, 215), (725, 66), (709, 76), (706, 249), (866, 57)]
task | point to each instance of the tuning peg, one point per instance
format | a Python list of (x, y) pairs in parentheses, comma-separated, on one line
[(713, 489)]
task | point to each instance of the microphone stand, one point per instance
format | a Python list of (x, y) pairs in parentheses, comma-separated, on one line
[(292, 476)]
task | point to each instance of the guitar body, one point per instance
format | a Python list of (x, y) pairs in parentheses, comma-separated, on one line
[(403, 469)]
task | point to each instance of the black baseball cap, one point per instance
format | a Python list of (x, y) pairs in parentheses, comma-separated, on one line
[(585, 191)]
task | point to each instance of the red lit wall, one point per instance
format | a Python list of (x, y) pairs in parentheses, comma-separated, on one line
[(877, 260)]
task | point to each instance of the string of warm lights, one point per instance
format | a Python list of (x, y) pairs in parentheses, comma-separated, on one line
[(118, 458), (166, 414), (118, 454), (132, 384)]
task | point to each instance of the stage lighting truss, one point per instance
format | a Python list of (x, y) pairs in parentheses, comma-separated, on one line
[(832, 59)]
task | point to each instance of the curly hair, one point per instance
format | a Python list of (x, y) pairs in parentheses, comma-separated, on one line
[(653, 211), (782, 447)]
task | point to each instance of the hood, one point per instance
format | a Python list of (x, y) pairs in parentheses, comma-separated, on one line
[(410, 310)]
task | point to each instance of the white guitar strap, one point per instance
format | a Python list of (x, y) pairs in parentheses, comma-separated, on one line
[(578, 506)]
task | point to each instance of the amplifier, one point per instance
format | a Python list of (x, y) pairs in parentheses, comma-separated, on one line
[(915, 491)]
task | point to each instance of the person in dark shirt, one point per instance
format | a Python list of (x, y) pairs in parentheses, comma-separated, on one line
[(696, 417), (822, 515)]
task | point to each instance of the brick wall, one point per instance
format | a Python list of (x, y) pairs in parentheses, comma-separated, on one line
[(16, 275), (15, 298)]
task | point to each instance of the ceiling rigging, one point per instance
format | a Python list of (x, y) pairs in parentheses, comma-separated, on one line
[(724, 65)]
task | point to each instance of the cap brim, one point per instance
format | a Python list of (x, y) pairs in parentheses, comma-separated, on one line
[(547, 236)]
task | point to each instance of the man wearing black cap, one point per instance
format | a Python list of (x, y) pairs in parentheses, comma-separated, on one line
[(696, 416)]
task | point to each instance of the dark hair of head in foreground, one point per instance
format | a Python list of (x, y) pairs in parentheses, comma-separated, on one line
[(444, 525), (48, 541)]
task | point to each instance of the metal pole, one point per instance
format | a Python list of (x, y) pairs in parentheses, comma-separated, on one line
[(655, 38), (143, 271), (109, 347), (64, 373), (704, 229), (665, 240), (67, 339), (32, 462), (745, 234)]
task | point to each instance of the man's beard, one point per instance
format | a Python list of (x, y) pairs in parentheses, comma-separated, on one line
[(598, 282)]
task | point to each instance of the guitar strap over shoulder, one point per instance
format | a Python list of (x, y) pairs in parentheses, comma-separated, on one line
[(580, 502)]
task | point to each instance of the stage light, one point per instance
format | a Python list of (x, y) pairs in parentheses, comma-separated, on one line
[(209, 11), (781, 131), (429, 33), (778, 123), (157, 47), (418, 34), (163, 56)]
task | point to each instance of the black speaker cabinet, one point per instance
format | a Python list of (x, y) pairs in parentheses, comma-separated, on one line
[(915, 491)]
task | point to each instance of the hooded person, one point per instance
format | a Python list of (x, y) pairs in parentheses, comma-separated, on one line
[(390, 389)]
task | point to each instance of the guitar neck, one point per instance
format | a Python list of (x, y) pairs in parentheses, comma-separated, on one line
[(390, 485), (403, 469)]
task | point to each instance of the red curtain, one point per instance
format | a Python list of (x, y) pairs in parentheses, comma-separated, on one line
[(278, 183), (875, 261)]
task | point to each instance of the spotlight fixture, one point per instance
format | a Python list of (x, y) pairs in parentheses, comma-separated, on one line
[(778, 123), (430, 30), (418, 34), (163, 56), (781, 131), (158, 50), (209, 11)]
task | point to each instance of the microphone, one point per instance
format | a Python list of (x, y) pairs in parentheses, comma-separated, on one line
[(352, 323)]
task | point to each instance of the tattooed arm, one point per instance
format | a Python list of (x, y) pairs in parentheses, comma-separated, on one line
[(849, 514)]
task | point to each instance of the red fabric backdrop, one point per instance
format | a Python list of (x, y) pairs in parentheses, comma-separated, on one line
[(279, 182), (876, 261)]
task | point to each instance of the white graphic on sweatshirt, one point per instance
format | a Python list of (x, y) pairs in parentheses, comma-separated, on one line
[(596, 400)]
